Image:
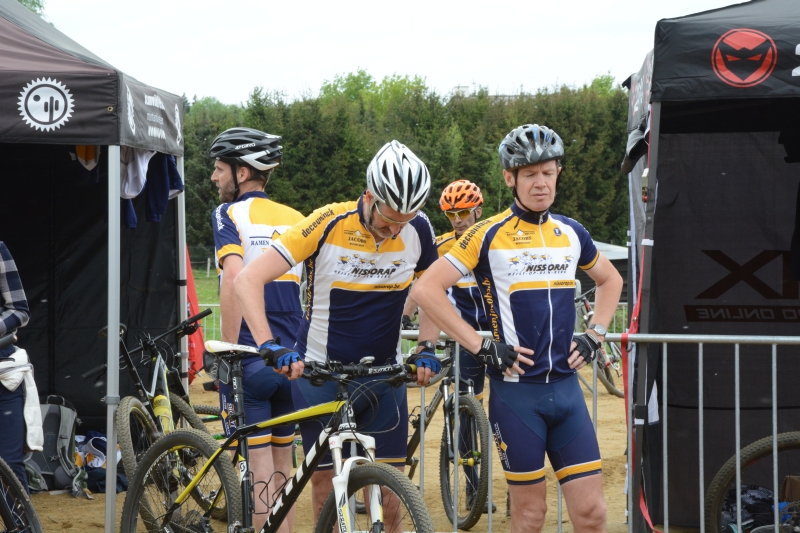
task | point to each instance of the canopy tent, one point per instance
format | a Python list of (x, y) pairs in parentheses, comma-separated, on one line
[(54, 92), (714, 203)]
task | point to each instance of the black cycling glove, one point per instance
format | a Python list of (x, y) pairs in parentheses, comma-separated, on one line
[(408, 323), (587, 346), (497, 354)]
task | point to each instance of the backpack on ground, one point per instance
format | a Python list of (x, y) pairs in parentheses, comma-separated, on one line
[(56, 461)]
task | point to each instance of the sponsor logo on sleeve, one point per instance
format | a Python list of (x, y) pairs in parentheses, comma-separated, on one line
[(45, 104), (317, 222)]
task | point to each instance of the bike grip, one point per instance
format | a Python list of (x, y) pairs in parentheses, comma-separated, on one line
[(95, 370), (8, 340), (198, 316)]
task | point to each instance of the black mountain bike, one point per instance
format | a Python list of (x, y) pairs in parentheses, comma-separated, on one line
[(136, 421), (186, 477), (16, 511)]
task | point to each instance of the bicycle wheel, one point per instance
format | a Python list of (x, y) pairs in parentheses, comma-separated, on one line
[(184, 415), (16, 512), (756, 462), (400, 501), (136, 432), (166, 470), (204, 411), (472, 470), (606, 377)]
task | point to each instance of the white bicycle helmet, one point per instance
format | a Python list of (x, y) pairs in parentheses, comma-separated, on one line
[(398, 178), (260, 150)]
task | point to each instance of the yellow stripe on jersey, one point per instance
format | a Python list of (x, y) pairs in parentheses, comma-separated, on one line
[(522, 235), (592, 263), (525, 476), (466, 284), (302, 239), (228, 249), (371, 286), (445, 242), (579, 469), (553, 284), (269, 213), (289, 277)]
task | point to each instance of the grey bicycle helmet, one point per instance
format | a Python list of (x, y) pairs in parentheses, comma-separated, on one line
[(260, 150), (398, 178), (530, 144)]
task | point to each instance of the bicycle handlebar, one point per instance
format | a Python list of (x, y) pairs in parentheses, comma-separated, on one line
[(8, 340), (187, 327)]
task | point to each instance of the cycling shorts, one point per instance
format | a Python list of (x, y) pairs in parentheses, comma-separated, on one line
[(529, 419), (471, 368), (381, 411), (267, 394)]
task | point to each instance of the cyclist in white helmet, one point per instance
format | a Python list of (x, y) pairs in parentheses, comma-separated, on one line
[(360, 258), (244, 225)]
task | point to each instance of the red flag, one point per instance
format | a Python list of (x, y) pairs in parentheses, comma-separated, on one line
[(195, 339)]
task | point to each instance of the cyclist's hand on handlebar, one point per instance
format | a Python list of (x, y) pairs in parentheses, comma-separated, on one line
[(284, 360), (427, 365), (504, 357), (583, 349)]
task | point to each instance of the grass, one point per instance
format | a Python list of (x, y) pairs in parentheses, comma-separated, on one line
[(206, 287)]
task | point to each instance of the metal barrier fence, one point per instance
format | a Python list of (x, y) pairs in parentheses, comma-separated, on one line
[(701, 341)]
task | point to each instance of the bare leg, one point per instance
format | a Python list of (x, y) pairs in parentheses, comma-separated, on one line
[(528, 507), (282, 459), (261, 466), (585, 503)]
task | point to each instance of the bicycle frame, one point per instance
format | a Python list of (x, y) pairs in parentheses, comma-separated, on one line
[(341, 428)]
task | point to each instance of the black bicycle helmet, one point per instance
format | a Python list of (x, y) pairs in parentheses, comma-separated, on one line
[(530, 144), (260, 150)]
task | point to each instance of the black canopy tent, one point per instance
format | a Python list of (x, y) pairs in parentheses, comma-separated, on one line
[(714, 205), (54, 92)]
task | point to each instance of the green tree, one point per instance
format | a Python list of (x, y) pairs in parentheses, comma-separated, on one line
[(37, 6)]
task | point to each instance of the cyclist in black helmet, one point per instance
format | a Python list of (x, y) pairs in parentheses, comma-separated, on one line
[(244, 225), (524, 260)]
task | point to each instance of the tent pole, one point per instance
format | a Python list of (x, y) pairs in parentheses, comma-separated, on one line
[(112, 340), (182, 266)]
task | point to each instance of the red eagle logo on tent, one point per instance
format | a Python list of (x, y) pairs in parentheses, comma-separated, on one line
[(744, 57)]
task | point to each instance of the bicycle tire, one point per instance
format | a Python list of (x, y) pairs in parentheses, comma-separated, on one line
[(472, 496), (185, 414), (415, 517), (136, 432), (19, 515), (166, 469), (760, 449), (207, 410), (607, 379)]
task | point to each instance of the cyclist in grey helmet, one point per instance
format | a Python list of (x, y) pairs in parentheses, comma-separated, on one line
[(525, 259), (360, 258)]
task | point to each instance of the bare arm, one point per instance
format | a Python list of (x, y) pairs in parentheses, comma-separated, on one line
[(228, 303), (249, 286), (609, 288)]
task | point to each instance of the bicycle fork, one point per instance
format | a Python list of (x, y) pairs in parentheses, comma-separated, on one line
[(346, 507)]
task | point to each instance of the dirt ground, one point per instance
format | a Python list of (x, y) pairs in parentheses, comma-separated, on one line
[(64, 513)]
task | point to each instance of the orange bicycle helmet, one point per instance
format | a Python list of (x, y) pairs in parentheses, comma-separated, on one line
[(461, 194)]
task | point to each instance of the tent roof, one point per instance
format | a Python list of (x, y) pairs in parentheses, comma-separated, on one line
[(741, 51), (55, 91), (612, 251)]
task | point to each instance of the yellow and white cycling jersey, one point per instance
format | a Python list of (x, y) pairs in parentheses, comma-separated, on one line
[(525, 268), (356, 288), (246, 228)]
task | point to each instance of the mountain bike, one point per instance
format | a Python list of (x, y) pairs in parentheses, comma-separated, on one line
[(138, 421), (186, 475), (609, 359), (756, 488), (474, 445), (16, 511)]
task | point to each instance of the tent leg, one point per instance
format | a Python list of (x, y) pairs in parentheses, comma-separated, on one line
[(182, 266), (112, 342)]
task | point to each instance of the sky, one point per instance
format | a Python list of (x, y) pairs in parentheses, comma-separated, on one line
[(226, 48)]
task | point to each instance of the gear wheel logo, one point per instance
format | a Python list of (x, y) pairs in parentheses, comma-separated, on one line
[(45, 104), (744, 57)]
